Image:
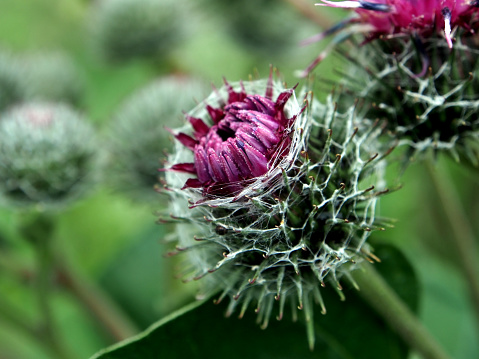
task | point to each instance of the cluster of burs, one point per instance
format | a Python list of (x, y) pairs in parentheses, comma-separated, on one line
[(304, 224), (52, 151)]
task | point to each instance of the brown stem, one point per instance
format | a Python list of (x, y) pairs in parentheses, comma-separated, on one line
[(100, 306)]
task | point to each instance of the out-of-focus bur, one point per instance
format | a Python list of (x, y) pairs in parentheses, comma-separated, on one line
[(51, 77), (415, 68), (274, 197), (138, 138), (39, 77), (11, 87), (264, 26), (127, 29), (47, 155)]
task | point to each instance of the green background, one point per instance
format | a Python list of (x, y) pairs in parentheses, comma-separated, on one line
[(116, 243)]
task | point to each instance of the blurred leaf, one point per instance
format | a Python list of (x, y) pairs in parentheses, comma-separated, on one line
[(142, 260), (200, 331)]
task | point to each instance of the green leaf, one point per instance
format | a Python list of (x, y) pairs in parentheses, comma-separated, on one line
[(350, 329)]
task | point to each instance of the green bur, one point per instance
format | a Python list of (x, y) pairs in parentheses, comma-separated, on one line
[(302, 225), (47, 155), (424, 94)]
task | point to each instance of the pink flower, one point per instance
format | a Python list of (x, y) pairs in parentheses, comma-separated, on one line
[(387, 19), (247, 135), (422, 17)]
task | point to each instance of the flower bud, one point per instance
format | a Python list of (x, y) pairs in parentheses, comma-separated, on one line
[(51, 77), (138, 136), (274, 205), (127, 29), (265, 26), (11, 86), (46, 155)]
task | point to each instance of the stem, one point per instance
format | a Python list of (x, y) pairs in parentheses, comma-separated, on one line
[(8, 315), (463, 236), (382, 298), (37, 230), (100, 306)]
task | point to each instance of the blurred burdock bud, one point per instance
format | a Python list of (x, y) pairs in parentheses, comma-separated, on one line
[(47, 155), (11, 85), (272, 204), (138, 138), (127, 29), (264, 26), (51, 77)]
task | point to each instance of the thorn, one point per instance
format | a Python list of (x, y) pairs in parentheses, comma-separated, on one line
[(377, 259), (373, 157)]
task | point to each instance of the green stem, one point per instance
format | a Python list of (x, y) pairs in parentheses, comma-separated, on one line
[(382, 298), (100, 306), (9, 315), (37, 230), (463, 239)]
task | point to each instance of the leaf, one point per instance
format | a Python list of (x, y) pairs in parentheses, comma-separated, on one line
[(350, 329)]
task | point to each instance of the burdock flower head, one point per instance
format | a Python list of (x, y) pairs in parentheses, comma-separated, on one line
[(415, 71), (269, 199), (421, 20), (246, 135), (409, 17)]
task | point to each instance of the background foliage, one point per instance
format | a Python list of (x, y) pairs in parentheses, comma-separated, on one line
[(115, 242)]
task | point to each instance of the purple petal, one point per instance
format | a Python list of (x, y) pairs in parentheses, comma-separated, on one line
[(262, 104), (200, 128), (187, 141), (251, 140), (215, 167), (259, 162), (216, 114), (192, 183), (184, 167), (232, 170), (238, 156), (266, 136), (282, 99), (258, 117), (201, 164)]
